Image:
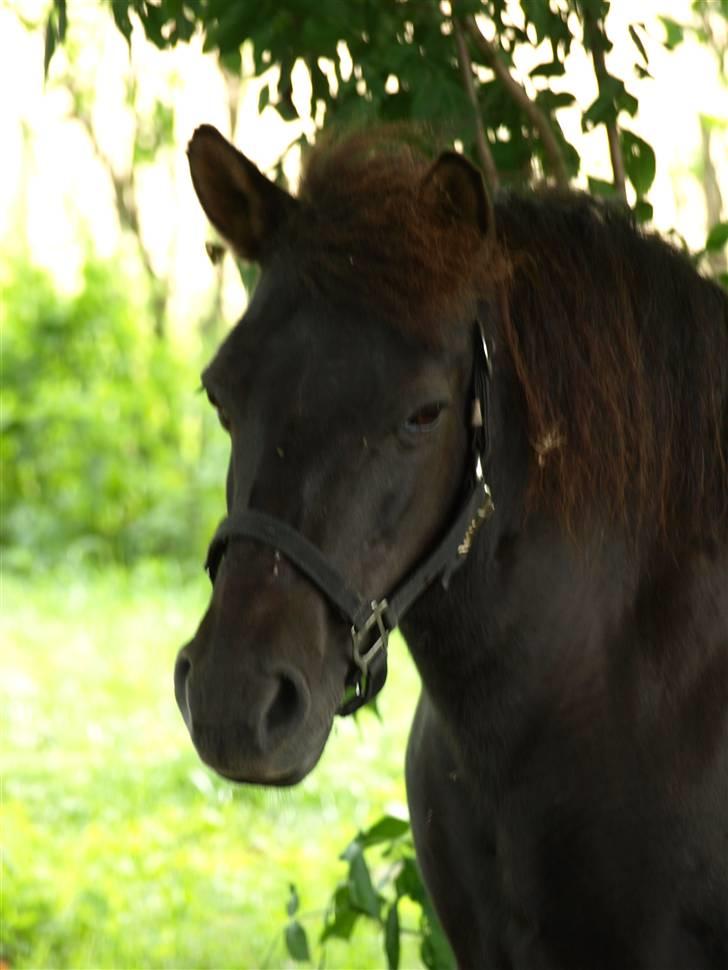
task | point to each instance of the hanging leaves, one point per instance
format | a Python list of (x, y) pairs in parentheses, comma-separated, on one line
[(639, 161), (55, 31)]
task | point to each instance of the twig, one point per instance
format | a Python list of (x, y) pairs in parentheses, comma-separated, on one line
[(128, 212), (595, 36), (519, 95), (713, 197), (711, 185), (485, 156)]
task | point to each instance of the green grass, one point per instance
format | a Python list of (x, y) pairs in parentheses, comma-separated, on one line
[(119, 848)]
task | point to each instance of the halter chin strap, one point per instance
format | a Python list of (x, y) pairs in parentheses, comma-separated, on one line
[(373, 620)]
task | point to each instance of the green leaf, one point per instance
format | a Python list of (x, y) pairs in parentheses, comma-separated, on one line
[(184, 24), (391, 937), (674, 32), (596, 9), (120, 11), (435, 949), (717, 237), (362, 891), (263, 98), (539, 14), (601, 188), (409, 882), (62, 19), (55, 32), (154, 20), (51, 39), (553, 100), (513, 155), (612, 98), (639, 161), (319, 86), (293, 901), (643, 211), (637, 41), (601, 110), (232, 61), (297, 942), (626, 101), (229, 32), (385, 829), (344, 918), (548, 69)]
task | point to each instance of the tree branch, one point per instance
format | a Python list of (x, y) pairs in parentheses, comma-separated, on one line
[(713, 197), (127, 210), (534, 114), (595, 35), (485, 156)]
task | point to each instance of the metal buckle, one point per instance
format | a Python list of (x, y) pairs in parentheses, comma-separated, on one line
[(375, 619), (358, 690)]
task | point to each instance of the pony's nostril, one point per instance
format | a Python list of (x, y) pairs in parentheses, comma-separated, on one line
[(289, 705)]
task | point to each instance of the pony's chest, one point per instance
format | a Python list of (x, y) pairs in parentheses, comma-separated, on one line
[(572, 860)]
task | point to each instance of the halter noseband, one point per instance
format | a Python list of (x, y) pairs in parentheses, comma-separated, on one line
[(373, 620)]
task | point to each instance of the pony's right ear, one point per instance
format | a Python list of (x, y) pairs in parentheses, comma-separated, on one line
[(244, 206), (455, 187)]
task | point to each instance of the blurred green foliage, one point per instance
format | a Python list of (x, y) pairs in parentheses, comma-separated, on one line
[(107, 452), (383, 877)]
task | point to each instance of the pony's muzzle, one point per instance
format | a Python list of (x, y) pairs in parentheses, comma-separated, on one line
[(245, 738)]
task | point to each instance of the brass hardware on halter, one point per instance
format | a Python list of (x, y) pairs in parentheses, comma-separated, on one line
[(483, 513)]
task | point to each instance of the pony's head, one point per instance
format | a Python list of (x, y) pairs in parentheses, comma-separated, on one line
[(346, 392)]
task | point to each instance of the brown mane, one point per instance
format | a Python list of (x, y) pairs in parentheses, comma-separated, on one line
[(364, 233), (620, 347)]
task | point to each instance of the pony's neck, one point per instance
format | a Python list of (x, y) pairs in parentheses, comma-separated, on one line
[(528, 614)]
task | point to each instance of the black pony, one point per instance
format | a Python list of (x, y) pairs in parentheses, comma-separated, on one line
[(411, 349)]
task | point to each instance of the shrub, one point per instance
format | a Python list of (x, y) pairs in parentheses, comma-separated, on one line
[(107, 452)]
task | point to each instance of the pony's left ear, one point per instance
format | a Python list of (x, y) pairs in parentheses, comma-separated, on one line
[(456, 188), (244, 206)]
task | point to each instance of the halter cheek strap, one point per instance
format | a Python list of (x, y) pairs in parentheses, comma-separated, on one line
[(373, 620)]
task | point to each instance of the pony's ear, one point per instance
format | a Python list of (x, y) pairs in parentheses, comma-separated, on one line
[(244, 206), (456, 188)]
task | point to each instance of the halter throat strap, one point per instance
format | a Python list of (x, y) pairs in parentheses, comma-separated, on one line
[(372, 621)]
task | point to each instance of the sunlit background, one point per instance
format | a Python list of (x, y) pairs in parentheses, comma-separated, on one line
[(56, 192), (119, 849)]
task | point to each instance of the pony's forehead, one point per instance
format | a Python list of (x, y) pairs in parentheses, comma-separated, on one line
[(362, 235), (292, 316)]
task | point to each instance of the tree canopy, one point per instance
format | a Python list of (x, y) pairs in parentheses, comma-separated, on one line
[(451, 64)]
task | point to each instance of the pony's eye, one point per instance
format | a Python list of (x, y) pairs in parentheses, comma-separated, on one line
[(424, 418)]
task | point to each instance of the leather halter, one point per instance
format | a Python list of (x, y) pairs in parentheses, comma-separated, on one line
[(373, 620)]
